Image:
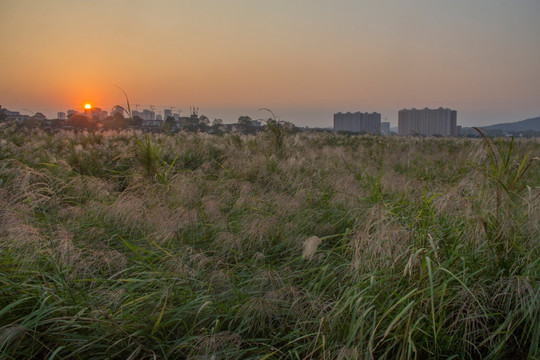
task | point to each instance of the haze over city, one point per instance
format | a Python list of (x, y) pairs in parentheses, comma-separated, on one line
[(303, 59)]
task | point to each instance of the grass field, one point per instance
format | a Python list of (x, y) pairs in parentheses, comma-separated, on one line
[(322, 246)]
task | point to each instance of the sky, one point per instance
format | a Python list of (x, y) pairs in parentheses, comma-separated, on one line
[(304, 59)]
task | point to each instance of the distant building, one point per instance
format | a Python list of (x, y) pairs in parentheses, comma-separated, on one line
[(95, 114), (358, 122), (385, 128), (192, 120), (167, 113), (427, 122), (61, 115), (152, 123), (38, 116), (70, 113), (148, 115), (15, 115), (12, 114)]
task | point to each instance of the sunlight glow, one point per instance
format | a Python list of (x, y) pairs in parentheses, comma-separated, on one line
[(87, 106)]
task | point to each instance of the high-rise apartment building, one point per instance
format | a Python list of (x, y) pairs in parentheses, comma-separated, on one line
[(167, 113), (385, 128), (427, 122), (358, 122), (146, 115)]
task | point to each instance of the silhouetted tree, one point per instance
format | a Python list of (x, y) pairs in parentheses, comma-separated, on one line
[(244, 120), (136, 121), (81, 122), (203, 119), (169, 124), (31, 122), (115, 122), (245, 124), (118, 116)]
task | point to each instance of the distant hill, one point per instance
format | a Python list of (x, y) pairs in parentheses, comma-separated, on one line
[(518, 126)]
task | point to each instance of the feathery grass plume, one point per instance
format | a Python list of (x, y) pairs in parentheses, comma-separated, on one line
[(228, 244), (166, 223), (65, 253), (212, 208), (128, 212), (82, 188), (259, 229), (225, 343), (378, 241), (184, 190), (28, 185), (310, 247), (17, 233), (127, 109), (276, 130)]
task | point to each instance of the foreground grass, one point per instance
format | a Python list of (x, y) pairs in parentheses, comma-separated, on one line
[(121, 245)]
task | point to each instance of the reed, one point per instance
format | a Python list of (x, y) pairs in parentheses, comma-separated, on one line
[(122, 245)]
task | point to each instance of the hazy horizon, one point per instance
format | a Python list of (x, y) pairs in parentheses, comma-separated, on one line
[(304, 60)]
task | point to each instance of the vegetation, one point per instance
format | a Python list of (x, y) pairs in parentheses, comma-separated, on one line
[(277, 245)]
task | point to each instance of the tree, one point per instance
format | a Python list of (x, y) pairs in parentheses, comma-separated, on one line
[(217, 122), (244, 120), (80, 121), (115, 122), (136, 121), (245, 124), (169, 124), (203, 119), (118, 116), (31, 122)]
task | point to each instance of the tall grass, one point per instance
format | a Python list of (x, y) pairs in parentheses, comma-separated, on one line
[(122, 245)]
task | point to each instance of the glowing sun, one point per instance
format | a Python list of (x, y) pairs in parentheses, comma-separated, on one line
[(87, 106)]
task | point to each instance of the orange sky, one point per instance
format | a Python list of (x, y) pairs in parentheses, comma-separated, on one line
[(305, 59)]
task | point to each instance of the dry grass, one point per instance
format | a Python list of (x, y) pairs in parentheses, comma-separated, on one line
[(335, 246)]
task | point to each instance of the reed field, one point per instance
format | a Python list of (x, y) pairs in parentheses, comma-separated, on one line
[(125, 245)]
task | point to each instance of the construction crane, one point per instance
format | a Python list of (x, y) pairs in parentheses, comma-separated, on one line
[(166, 107), (152, 107)]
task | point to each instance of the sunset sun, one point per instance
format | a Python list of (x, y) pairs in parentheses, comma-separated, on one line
[(87, 106)]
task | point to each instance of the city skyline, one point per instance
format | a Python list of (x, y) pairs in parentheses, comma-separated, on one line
[(304, 60)]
